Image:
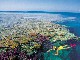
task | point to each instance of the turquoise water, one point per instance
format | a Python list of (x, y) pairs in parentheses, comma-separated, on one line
[(72, 25)]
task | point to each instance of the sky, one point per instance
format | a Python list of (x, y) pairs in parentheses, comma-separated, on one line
[(40, 5)]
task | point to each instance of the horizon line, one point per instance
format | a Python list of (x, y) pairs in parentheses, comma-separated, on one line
[(33, 11)]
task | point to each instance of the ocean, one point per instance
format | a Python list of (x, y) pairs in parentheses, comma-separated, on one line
[(72, 24), (69, 19)]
